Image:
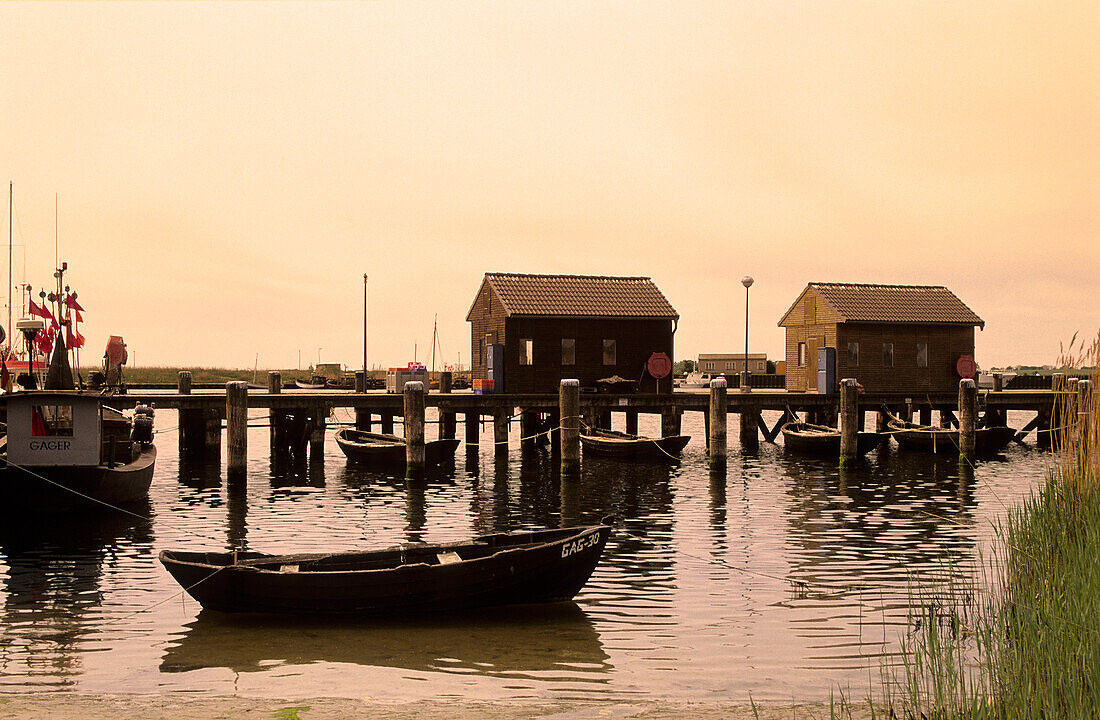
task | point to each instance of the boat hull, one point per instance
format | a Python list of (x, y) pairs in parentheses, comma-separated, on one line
[(632, 447), (945, 441), (796, 439), (60, 487), (389, 450), (533, 567)]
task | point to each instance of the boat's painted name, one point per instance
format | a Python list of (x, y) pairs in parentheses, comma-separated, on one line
[(50, 444), (579, 544)]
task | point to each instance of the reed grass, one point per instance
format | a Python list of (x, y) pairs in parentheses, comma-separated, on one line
[(1020, 636)]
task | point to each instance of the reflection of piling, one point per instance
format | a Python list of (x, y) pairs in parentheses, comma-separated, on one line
[(569, 407), (968, 419), (716, 437), (414, 429), (849, 420), (236, 429)]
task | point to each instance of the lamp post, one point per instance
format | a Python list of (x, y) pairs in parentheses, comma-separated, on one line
[(364, 331), (747, 282)]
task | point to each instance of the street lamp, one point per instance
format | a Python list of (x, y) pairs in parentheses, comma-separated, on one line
[(747, 282)]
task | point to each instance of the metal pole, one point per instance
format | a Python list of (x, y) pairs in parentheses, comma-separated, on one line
[(747, 282), (364, 331)]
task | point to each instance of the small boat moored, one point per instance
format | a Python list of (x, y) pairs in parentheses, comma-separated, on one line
[(612, 443), (503, 569), (940, 440), (808, 438), (389, 450)]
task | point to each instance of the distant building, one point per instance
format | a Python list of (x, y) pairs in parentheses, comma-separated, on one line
[(539, 329), (890, 338), (732, 363)]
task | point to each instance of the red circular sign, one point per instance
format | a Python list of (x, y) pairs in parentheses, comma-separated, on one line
[(659, 366), (965, 366)]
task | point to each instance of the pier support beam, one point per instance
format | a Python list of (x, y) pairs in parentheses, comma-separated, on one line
[(750, 420), (387, 423), (632, 422), (183, 382), (317, 433), (968, 419), (276, 418), (236, 429), (670, 422), (924, 415), (849, 420), (717, 416), (569, 410), (447, 422), (501, 416), (414, 429), (473, 439), (190, 421), (212, 437)]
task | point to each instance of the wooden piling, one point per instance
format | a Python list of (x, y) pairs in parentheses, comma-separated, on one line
[(236, 429), (849, 420), (569, 409), (318, 416), (717, 416), (360, 381), (632, 422), (447, 422), (968, 419), (924, 415), (387, 423), (414, 429), (501, 417), (670, 422), (183, 382), (212, 438), (276, 418), (473, 419), (750, 420)]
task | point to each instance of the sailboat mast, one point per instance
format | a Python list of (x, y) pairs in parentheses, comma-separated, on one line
[(435, 327), (11, 192)]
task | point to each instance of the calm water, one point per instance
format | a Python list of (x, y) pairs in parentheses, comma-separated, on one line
[(785, 580)]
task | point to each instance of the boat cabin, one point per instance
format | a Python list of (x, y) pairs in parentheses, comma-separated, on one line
[(50, 428)]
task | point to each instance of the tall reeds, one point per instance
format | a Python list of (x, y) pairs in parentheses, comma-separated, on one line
[(1021, 637)]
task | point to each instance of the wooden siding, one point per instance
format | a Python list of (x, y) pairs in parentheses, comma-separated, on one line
[(945, 344), (486, 316)]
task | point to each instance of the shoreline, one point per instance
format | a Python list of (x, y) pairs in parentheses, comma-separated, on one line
[(174, 705)]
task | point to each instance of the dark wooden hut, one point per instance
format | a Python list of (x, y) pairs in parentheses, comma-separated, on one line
[(543, 328), (891, 338)]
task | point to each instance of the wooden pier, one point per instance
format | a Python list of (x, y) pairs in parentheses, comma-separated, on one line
[(298, 419)]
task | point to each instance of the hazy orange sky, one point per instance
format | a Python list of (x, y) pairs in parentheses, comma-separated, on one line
[(226, 173)]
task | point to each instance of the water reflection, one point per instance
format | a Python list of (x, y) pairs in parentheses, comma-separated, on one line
[(54, 583), (549, 640)]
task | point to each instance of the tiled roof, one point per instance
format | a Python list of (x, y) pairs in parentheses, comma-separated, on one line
[(580, 296), (896, 304)]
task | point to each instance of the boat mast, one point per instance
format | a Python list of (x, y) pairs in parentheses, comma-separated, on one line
[(435, 328), (11, 192)]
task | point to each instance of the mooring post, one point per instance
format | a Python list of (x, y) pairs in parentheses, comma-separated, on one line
[(968, 419), (501, 416), (414, 429), (716, 437), (277, 418), (236, 429), (188, 419), (447, 422), (569, 410), (473, 418), (750, 419), (849, 420)]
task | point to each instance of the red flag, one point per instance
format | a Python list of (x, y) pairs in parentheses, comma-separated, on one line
[(69, 336), (79, 339), (79, 317), (72, 303), (40, 311), (45, 343)]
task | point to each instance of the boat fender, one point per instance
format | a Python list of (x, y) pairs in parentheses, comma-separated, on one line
[(143, 429)]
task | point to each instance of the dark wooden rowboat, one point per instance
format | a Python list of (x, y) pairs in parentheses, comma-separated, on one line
[(932, 439), (813, 439), (612, 443), (503, 569), (389, 450)]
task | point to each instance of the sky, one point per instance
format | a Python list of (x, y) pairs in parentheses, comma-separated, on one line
[(219, 177)]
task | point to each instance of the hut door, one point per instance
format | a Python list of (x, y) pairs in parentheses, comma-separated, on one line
[(812, 344)]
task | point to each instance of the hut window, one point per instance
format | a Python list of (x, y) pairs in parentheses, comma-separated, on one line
[(51, 421), (609, 352), (526, 351), (801, 354), (888, 354), (568, 351), (853, 354), (922, 355)]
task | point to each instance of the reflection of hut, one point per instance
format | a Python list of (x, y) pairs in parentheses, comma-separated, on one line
[(535, 330), (891, 338)]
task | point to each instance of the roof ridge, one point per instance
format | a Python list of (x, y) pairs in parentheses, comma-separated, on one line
[(567, 275), (877, 285)]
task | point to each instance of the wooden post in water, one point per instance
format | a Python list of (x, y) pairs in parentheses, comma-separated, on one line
[(925, 415), (569, 411), (500, 431), (189, 420), (317, 433), (750, 419), (447, 422), (360, 381), (717, 415), (632, 422), (277, 418), (414, 429), (473, 418), (387, 423), (849, 420), (236, 429), (968, 419), (670, 422), (212, 418)]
